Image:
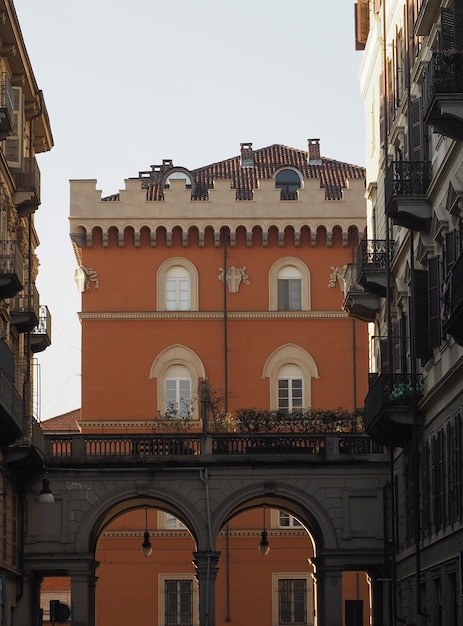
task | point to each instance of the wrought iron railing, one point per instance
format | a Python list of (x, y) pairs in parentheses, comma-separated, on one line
[(407, 179), (10, 401), (374, 255), (392, 390), (29, 177), (444, 75), (44, 325), (11, 258)]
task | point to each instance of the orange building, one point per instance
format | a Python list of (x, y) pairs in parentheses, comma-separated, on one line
[(207, 293)]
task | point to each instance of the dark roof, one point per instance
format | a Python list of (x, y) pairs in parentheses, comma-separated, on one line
[(332, 174)]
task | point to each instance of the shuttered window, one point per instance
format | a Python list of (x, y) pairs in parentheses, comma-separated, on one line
[(178, 603), (434, 302), (292, 601), (421, 314)]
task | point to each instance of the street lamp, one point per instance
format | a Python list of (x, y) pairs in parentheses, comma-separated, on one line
[(146, 546), (264, 546), (46, 495)]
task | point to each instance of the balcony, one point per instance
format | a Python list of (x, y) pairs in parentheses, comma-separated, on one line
[(406, 201), (11, 410), (11, 268), (27, 181), (6, 106), (374, 257), (41, 335), (443, 94), (25, 309), (358, 303), (452, 298), (390, 411)]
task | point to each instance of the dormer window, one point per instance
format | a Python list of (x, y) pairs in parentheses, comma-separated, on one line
[(288, 181), (178, 175)]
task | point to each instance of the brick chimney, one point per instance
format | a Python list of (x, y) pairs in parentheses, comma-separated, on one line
[(247, 157), (313, 148)]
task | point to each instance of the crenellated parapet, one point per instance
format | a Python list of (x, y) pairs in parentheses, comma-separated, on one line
[(129, 216)]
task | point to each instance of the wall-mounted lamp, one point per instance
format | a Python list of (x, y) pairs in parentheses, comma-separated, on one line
[(264, 546), (46, 495), (146, 546)]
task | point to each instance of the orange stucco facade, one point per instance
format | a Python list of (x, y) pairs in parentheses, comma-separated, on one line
[(242, 338)]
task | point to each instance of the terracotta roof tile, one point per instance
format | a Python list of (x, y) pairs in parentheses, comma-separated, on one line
[(67, 422), (331, 173)]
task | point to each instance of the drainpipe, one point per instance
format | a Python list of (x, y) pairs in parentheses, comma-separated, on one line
[(204, 475), (225, 317)]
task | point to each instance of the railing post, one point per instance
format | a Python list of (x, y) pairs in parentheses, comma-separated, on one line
[(78, 445), (332, 446), (206, 444)]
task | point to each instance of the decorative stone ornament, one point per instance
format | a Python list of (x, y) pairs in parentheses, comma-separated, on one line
[(234, 277)]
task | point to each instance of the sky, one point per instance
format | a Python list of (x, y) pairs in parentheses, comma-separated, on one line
[(128, 84)]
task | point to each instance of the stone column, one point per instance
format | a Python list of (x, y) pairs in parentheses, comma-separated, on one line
[(83, 584), (28, 605), (329, 593), (206, 573)]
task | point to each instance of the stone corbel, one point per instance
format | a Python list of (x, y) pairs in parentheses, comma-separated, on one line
[(313, 238), (233, 239), (281, 240), (264, 239), (105, 240), (329, 239), (89, 240), (217, 239), (249, 238), (185, 239), (137, 239), (201, 239), (153, 238), (169, 239), (120, 239), (297, 240), (345, 238), (8, 50)]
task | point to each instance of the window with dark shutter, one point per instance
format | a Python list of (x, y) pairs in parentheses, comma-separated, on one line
[(434, 302), (447, 34), (421, 315), (450, 250), (418, 130)]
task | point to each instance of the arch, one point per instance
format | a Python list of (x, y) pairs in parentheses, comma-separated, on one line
[(289, 180), (305, 282), (290, 353), (161, 295), (284, 496), (176, 355)]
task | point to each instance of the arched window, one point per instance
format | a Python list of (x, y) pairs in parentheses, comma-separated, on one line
[(178, 401), (288, 182), (178, 289), (290, 380), (290, 370), (289, 285), (177, 286), (177, 371), (289, 289)]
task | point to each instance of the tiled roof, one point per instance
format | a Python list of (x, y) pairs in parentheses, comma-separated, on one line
[(266, 161), (67, 422)]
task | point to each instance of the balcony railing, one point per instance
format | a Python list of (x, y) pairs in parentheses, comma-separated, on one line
[(11, 268), (25, 309), (443, 93), (406, 185), (63, 449), (41, 335), (358, 302), (27, 183), (390, 407), (374, 256)]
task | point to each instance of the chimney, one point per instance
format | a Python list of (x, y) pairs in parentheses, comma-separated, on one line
[(313, 149), (247, 157)]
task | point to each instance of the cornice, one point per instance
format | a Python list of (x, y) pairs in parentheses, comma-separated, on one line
[(208, 315)]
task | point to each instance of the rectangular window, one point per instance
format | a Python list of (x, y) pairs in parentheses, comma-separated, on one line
[(292, 601), (289, 294), (286, 520), (178, 602), (178, 397), (290, 393), (178, 294)]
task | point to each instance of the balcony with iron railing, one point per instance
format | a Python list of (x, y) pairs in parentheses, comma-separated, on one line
[(25, 309), (374, 258), (6, 106), (11, 411), (41, 335), (443, 94), (406, 202), (27, 182), (358, 303), (11, 268), (391, 410), (197, 449)]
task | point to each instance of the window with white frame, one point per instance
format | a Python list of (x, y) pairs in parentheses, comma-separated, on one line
[(292, 599), (178, 600), (178, 289), (289, 289), (178, 392), (290, 387), (285, 520), (172, 523)]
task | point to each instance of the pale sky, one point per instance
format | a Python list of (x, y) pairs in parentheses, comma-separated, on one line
[(128, 84)]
